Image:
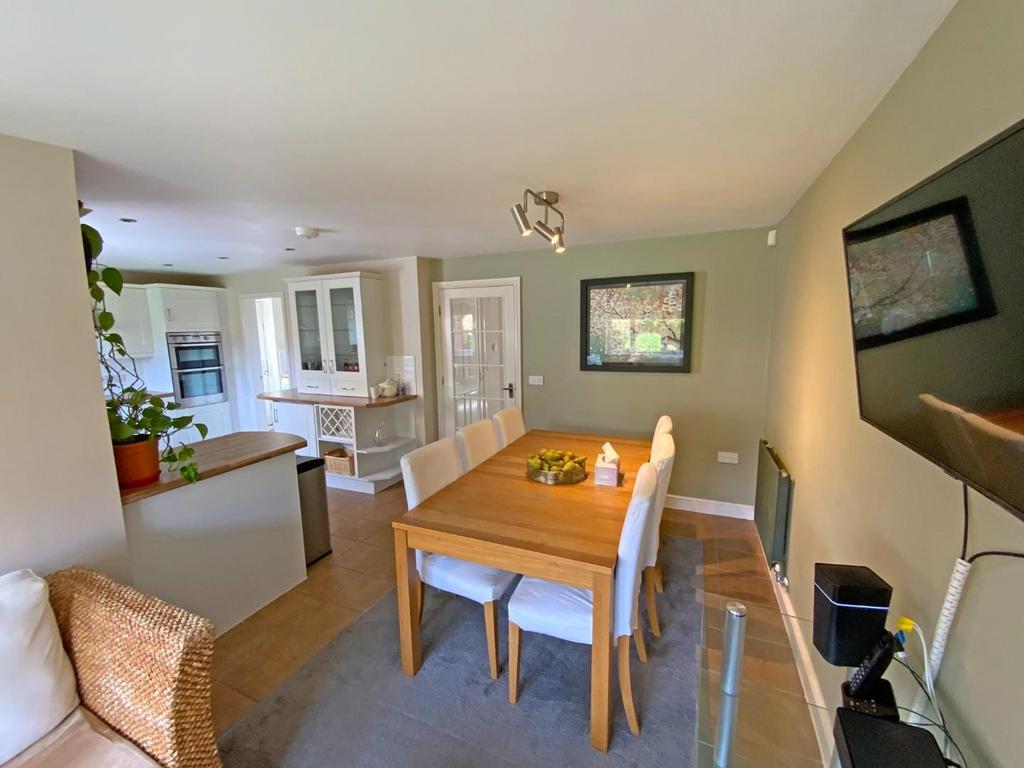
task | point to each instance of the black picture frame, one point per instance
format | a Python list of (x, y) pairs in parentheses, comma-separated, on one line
[(960, 210), (686, 281)]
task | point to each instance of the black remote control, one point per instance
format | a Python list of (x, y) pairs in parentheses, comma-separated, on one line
[(873, 667)]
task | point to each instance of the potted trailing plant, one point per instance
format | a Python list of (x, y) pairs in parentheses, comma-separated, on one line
[(142, 426)]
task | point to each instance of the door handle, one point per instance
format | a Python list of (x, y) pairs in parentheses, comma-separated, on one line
[(275, 414), (510, 389)]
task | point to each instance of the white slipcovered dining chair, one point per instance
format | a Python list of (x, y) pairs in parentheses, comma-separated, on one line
[(510, 424), (663, 456), (425, 471), (477, 443), (565, 612), (664, 425)]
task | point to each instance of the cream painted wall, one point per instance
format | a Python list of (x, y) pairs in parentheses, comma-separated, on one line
[(60, 503), (717, 407), (861, 497)]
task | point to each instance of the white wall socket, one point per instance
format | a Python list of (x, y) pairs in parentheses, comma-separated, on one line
[(728, 457), (537, 380)]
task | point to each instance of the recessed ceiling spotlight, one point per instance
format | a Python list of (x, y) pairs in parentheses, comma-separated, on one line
[(310, 233), (168, 265), (127, 220), (289, 249), (223, 258)]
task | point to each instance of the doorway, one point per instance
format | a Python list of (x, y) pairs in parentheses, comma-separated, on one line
[(478, 350), (266, 366)]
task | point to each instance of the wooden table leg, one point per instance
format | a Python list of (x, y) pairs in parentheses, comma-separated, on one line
[(600, 664), (408, 611)]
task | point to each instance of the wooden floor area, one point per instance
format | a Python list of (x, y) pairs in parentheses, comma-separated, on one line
[(267, 648)]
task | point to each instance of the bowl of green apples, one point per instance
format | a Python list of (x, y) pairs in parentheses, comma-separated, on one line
[(554, 467)]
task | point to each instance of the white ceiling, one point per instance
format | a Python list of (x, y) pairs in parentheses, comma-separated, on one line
[(411, 127)]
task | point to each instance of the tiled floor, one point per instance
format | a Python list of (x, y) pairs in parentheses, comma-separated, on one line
[(775, 727)]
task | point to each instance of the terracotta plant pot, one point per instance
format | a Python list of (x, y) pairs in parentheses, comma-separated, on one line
[(137, 463)]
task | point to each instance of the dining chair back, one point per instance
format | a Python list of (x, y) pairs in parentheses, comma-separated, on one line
[(664, 425), (631, 551), (427, 470), (663, 457), (477, 443), (510, 425)]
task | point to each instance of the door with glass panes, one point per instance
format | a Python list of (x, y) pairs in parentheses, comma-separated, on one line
[(479, 351)]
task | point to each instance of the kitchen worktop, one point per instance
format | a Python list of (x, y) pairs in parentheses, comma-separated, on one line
[(294, 396), (219, 455)]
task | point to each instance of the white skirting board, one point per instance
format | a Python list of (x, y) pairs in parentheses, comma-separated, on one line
[(710, 507), (803, 647)]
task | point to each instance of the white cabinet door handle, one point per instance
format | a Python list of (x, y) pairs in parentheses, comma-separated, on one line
[(167, 311)]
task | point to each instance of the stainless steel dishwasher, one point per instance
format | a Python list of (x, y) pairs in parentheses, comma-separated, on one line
[(316, 527)]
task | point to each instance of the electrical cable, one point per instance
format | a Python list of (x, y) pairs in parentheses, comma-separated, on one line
[(924, 687), (994, 553), (967, 521)]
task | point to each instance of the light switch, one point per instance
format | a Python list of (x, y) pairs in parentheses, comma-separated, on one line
[(537, 381), (728, 457)]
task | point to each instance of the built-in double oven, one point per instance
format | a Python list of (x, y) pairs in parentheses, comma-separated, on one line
[(197, 368)]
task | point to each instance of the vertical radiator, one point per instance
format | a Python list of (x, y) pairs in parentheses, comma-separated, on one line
[(772, 506)]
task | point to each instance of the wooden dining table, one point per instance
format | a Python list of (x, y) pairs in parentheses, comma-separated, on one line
[(495, 515)]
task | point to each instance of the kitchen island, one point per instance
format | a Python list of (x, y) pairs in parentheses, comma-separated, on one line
[(373, 434), (228, 545)]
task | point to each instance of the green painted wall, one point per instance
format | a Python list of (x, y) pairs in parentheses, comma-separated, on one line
[(719, 406), (860, 496)]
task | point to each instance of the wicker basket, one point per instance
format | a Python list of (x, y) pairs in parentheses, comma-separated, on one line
[(340, 461)]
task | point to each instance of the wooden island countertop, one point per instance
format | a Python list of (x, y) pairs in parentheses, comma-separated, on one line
[(219, 455), (301, 398)]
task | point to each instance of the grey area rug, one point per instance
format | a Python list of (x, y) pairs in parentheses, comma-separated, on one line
[(352, 706)]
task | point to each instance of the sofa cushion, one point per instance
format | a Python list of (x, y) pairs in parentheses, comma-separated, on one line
[(38, 689), (82, 740)]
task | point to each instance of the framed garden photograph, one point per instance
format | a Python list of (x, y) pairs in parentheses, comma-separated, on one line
[(640, 323)]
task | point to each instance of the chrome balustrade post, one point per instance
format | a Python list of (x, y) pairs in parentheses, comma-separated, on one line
[(733, 635)]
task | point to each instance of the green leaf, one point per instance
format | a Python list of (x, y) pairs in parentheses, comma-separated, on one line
[(106, 320), (94, 277), (181, 422), (96, 292), (119, 431), (190, 472), (185, 453), (113, 279), (157, 402), (92, 242), (202, 429)]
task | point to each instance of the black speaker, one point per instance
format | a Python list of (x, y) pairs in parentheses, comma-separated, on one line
[(863, 741), (851, 603)]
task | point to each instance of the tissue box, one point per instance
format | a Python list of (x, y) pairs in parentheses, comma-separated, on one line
[(606, 470)]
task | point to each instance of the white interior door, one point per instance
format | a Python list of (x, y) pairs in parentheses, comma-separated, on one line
[(266, 366), (477, 349)]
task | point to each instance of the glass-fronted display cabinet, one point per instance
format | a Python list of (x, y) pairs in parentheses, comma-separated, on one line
[(334, 319)]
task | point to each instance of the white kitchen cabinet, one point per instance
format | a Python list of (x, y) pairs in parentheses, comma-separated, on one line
[(338, 333), (131, 319), (297, 419), (189, 309), (216, 417)]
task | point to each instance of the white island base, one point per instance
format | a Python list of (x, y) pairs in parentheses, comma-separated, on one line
[(226, 546)]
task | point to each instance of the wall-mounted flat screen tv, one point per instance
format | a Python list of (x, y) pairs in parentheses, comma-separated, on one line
[(936, 283)]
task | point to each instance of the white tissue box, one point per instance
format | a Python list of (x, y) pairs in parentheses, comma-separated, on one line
[(606, 470)]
